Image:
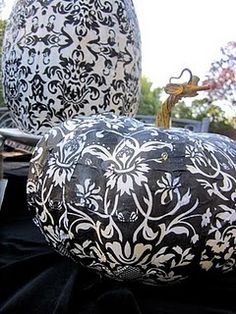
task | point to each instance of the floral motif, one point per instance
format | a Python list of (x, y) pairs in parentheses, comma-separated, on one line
[(220, 243), (206, 217), (80, 250), (62, 162), (168, 186), (88, 195), (127, 254), (196, 152), (88, 61), (59, 172), (127, 167), (128, 212)]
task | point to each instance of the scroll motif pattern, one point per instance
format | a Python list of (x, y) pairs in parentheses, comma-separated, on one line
[(63, 58), (136, 202)]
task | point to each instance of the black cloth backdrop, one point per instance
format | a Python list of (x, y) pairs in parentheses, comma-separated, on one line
[(36, 280)]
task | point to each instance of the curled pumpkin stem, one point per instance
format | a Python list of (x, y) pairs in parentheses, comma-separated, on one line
[(176, 93)]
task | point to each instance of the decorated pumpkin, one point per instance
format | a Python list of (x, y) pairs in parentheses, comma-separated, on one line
[(136, 202), (62, 58)]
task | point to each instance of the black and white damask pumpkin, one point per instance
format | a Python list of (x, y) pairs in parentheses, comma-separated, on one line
[(63, 58), (136, 202)]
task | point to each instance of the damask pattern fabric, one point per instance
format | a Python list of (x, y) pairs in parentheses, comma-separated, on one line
[(63, 58), (136, 202)]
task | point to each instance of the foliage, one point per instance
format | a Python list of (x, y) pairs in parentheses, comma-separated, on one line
[(149, 102), (222, 76), (202, 108), (199, 109)]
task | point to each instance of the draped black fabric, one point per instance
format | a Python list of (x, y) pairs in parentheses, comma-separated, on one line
[(36, 280)]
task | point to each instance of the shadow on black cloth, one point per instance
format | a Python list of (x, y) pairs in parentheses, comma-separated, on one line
[(35, 279)]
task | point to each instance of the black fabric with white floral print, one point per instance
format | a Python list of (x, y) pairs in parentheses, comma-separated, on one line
[(136, 202), (66, 57)]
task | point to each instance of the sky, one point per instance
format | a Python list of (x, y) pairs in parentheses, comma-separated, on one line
[(183, 33), (180, 33)]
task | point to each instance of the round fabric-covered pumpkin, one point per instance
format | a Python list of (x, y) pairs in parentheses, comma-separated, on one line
[(136, 202), (65, 57)]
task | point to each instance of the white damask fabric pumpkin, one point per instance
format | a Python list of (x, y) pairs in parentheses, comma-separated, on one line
[(136, 202), (66, 57)]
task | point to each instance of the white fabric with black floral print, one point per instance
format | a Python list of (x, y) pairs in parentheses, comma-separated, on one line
[(68, 57)]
